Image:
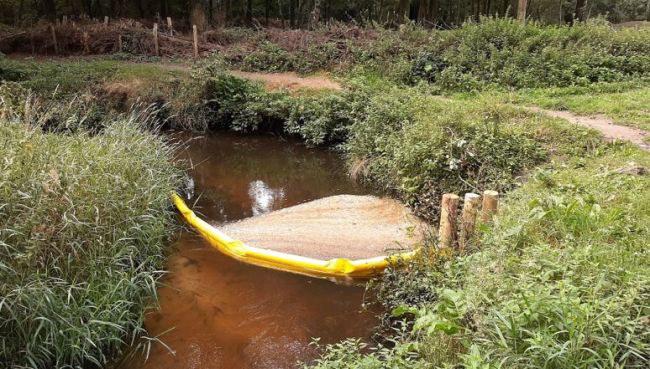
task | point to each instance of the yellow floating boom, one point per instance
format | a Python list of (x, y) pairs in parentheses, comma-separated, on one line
[(333, 268)]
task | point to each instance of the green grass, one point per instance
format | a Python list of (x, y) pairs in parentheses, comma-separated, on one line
[(70, 77), (84, 220)]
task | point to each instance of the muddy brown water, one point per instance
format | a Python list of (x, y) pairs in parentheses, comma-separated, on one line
[(216, 312)]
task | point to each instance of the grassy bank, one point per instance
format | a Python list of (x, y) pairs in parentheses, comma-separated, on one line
[(622, 103), (560, 280), (84, 219)]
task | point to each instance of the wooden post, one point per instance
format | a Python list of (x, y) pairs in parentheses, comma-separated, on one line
[(196, 41), (86, 46), (31, 42), (521, 10), (155, 39), (106, 21), (170, 26), (470, 211), (448, 213), (56, 44), (65, 20), (119, 43), (490, 205)]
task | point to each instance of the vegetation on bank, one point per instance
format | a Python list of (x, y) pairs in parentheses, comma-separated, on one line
[(560, 280), (493, 53), (84, 220)]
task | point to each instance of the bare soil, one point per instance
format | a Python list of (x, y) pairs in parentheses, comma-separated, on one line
[(290, 80), (347, 226)]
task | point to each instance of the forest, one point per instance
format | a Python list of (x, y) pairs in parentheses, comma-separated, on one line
[(307, 13)]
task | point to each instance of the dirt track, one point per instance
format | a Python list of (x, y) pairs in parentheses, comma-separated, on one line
[(290, 80), (601, 123), (337, 226)]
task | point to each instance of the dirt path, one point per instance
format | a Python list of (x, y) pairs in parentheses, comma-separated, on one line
[(290, 80), (601, 123), (275, 81)]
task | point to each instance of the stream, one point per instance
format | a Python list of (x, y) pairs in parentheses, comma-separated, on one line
[(220, 313)]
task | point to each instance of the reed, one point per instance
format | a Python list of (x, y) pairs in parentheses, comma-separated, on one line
[(84, 220)]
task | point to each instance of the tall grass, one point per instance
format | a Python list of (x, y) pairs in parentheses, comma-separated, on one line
[(84, 218)]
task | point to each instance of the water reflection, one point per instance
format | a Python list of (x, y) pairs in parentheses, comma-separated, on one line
[(264, 199)]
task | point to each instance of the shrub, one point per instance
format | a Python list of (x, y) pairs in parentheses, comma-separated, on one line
[(508, 53), (83, 223), (420, 147)]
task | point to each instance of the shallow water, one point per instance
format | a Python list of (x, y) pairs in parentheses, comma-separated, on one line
[(220, 313)]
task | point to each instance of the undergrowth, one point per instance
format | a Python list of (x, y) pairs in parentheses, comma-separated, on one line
[(494, 52), (84, 218)]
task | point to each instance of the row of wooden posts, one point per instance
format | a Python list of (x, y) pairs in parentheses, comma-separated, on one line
[(195, 37), (449, 234)]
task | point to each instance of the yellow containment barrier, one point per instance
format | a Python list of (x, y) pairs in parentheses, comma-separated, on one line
[(333, 268)]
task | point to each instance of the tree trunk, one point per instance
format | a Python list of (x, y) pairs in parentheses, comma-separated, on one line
[(521, 10), (49, 7), (138, 3), (267, 11), (18, 17), (423, 11), (163, 8), (402, 7), (647, 11), (249, 12), (315, 14), (210, 12), (581, 5), (292, 14)]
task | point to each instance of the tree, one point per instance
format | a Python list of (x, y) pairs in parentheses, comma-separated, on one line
[(521, 10), (581, 6)]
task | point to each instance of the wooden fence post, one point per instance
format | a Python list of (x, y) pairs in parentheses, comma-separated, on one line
[(448, 213), (155, 39), (86, 46), (195, 38), (490, 205), (56, 45), (170, 26), (65, 20), (119, 43), (470, 211), (31, 42), (106, 21)]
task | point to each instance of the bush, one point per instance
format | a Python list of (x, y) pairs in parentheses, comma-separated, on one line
[(320, 118), (420, 147), (83, 223), (494, 52), (508, 53)]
